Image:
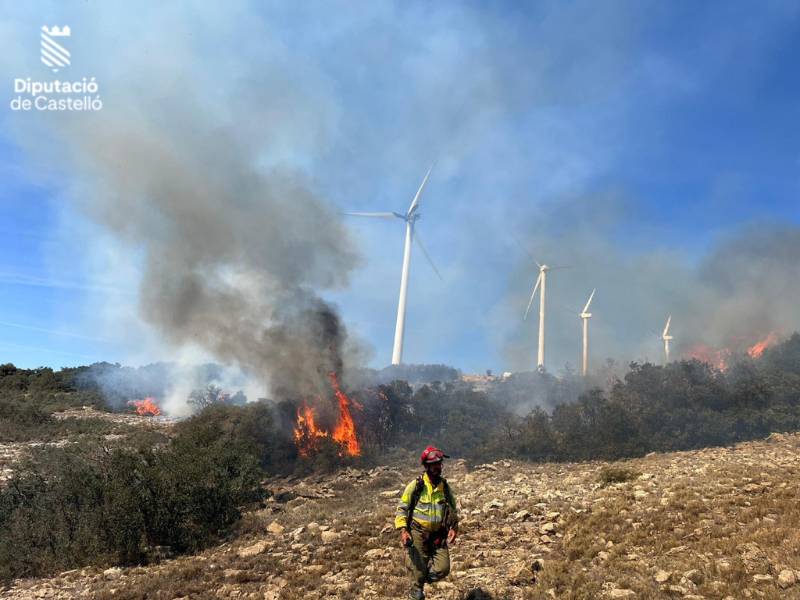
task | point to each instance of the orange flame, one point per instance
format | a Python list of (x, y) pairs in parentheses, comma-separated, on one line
[(307, 433), (720, 357), (146, 407), (712, 356), (758, 348), (345, 430)]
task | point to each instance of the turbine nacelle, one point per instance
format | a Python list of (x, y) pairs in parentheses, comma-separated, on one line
[(410, 218)]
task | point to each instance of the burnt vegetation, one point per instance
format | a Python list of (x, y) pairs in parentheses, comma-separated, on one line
[(96, 501)]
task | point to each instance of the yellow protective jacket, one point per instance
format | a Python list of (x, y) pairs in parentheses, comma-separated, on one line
[(429, 512)]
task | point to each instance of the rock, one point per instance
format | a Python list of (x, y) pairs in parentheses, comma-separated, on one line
[(390, 494), (662, 576), (231, 573), (621, 593), (374, 554), (495, 503), (522, 515), (313, 528), (603, 555), (112, 573), (275, 528), (253, 550), (761, 579), (329, 536), (547, 528), (723, 565), (552, 516), (677, 589), (754, 558), (786, 578), (537, 565), (695, 576), (640, 494), (520, 574)]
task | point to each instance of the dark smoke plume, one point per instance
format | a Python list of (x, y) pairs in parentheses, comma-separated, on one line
[(233, 242)]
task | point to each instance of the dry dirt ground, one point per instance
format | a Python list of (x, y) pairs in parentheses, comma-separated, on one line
[(712, 523)]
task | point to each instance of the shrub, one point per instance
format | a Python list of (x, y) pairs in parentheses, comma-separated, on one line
[(86, 504), (616, 474)]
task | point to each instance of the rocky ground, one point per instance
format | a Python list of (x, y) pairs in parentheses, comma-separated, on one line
[(712, 523)]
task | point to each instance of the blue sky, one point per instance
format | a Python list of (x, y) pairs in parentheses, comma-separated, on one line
[(647, 132)]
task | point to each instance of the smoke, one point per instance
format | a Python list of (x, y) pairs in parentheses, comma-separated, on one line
[(740, 289), (233, 241), (232, 253)]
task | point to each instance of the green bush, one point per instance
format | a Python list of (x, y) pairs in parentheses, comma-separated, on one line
[(253, 427), (615, 474), (88, 505)]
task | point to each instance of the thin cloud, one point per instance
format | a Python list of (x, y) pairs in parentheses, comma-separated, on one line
[(53, 331)]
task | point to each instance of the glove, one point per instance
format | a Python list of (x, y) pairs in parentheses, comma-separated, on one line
[(451, 536), (405, 538)]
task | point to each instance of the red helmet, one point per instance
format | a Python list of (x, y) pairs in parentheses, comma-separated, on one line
[(432, 454)]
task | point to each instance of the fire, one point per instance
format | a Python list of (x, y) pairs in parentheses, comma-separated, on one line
[(146, 407), (717, 358), (345, 430), (721, 357), (307, 433), (758, 348)]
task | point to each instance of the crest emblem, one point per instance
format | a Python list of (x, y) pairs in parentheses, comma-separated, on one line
[(54, 54)]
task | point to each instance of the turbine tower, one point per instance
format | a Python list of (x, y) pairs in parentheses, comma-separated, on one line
[(410, 218), (540, 281), (585, 315), (666, 337)]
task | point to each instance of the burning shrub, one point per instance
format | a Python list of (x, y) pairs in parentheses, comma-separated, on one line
[(209, 396)]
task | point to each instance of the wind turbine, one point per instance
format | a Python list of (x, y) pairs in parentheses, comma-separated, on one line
[(585, 315), (666, 337), (410, 219), (540, 281)]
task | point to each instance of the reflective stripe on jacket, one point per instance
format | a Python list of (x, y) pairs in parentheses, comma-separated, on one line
[(429, 512)]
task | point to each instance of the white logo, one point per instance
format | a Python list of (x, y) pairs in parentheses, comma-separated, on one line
[(73, 94), (54, 55)]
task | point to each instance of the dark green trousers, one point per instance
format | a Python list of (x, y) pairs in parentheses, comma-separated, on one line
[(427, 561)]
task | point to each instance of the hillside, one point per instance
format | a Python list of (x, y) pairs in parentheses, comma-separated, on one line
[(712, 523)]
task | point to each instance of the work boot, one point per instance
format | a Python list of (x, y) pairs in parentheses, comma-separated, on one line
[(416, 594)]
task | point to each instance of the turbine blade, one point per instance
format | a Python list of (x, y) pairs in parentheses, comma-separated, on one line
[(533, 293), (415, 201), (523, 247), (377, 215), (666, 328), (586, 308), (427, 256)]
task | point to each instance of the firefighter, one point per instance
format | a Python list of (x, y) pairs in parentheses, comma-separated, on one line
[(428, 523)]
